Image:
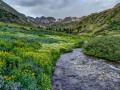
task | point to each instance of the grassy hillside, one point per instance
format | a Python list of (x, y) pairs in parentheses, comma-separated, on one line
[(27, 57), (103, 23), (10, 15), (8, 8)]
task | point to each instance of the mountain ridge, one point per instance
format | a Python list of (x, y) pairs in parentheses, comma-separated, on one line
[(9, 14), (51, 21), (96, 22), (8, 8), (91, 24)]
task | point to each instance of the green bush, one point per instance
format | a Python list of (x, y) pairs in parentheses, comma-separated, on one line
[(79, 44), (104, 47)]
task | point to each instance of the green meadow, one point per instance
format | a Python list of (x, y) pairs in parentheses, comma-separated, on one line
[(28, 56)]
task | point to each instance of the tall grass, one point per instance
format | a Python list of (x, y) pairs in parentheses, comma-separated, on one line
[(28, 57)]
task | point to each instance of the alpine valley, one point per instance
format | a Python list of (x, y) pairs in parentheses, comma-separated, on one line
[(88, 48)]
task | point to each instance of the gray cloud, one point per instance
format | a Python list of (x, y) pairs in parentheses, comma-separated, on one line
[(30, 3), (61, 8), (53, 4), (60, 4)]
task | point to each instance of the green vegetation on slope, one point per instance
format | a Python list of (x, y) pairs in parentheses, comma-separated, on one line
[(107, 47), (9, 17), (27, 57), (112, 29), (6, 7), (103, 23)]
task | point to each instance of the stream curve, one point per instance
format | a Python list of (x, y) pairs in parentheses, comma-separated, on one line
[(76, 71)]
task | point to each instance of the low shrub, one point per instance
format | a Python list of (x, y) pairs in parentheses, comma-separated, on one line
[(79, 44), (104, 47)]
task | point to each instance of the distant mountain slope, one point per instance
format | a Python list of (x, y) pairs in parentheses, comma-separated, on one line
[(7, 13), (52, 22), (8, 8), (106, 22), (65, 25)]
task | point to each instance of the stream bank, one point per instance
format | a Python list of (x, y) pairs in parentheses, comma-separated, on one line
[(76, 71)]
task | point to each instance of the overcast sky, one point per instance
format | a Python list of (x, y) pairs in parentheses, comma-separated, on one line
[(60, 8)]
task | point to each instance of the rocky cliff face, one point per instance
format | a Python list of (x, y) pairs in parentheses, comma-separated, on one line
[(42, 21), (51, 21)]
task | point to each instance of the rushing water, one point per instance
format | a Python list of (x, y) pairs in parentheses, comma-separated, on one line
[(76, 71)]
